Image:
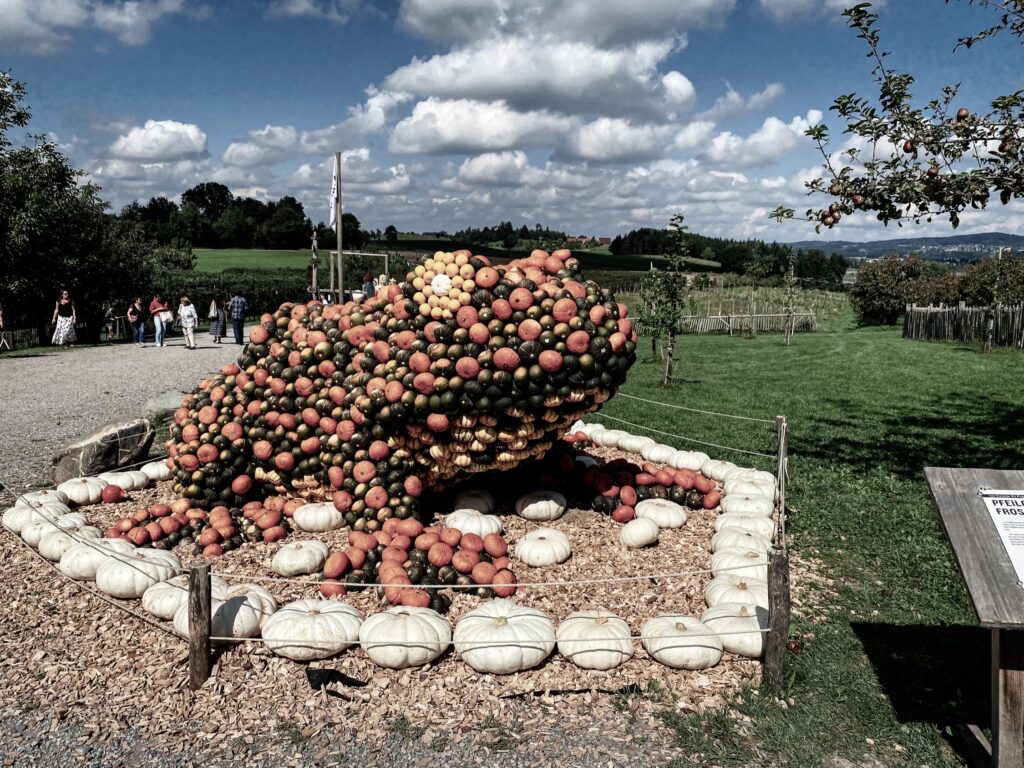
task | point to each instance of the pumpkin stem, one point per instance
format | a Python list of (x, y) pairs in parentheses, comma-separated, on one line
[(742, 585), (501, 621), (743, 611), (600, 620), (680, 626)]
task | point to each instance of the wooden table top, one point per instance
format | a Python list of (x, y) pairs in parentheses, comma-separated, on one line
[(986, 568)]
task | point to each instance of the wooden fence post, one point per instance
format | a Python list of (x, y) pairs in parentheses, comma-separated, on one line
[(198, 626), (778, 618)]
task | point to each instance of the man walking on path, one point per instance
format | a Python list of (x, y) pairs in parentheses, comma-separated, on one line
[(237, 308)]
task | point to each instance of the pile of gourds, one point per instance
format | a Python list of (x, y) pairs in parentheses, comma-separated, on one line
[(464, 368)]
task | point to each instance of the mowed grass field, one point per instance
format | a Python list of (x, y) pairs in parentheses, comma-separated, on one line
[(896, 658), (219, 259)]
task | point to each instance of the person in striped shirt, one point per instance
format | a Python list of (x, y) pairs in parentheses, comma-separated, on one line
[(237, 308)]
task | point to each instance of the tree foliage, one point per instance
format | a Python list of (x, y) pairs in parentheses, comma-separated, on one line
[(913, 163)]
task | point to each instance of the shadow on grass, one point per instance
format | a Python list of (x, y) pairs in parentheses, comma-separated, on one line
[(932, 674), (974, 431)]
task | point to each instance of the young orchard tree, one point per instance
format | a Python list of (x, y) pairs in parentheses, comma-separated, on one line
[(911, 163), (664, 294)]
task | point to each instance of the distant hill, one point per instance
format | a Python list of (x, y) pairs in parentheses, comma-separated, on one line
[(953, 247)]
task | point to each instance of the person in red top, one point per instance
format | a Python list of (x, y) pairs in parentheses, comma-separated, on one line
[(156, 308)]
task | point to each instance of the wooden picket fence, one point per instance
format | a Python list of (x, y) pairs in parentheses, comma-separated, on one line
[(966, 324), (738, 324)]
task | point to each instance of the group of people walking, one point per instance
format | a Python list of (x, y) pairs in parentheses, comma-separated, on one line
[(164, 319)]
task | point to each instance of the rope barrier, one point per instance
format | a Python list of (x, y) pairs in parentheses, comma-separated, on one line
[(686, 439), (695, 410)]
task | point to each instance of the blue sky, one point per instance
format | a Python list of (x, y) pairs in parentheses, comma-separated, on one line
[(595, 116)]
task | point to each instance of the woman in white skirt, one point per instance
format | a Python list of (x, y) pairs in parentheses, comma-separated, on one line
[(64, 319), (189, 318)]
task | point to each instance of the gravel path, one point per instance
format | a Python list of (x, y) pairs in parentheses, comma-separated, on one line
[(51, 399)]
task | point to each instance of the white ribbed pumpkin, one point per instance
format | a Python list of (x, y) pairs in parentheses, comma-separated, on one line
[(81, 560), (54, 544), (33, 533), (156, 471), (440, 284), (635, 443), (235, 617), (594, 640), (318, 517), (687, 460), (403, 637), (739, 539), (749, 473), (609, 438), (739, 626), (762, 526), (258, 596), (716, 469), (743, 562), (475, 498), (23, 514), (164, 598), (658, 453), (306, 630), (499, 637), (128, 480), (747, 505), (543, 547), (83, 490), (128, 575), (639, 532), (730, 588), (47, 494), (749, 488), (299, 558), (681, 642), (541, 506), (667, 514), (471, 521)]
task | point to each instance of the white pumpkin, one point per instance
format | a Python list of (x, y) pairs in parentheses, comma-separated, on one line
[(657, 453), (54, 544), (83, 490), (739, 626), (681, 642), (749, 488), (306, 630), (33, 533), (739, 539), (81, 560), (230, 618), (403, 637), (129, 575), (762, 526), (471, 521), (156, 471), (743, 562), (667, 514), (747, 505), (476, 498), (165, 597), (609, 438), (749, 473), (500, 637), (127, 480), (635, 443), (639, 532), (543, 547), (441, 284), (594, 640), (23, 514), (541, 506), (687, 460), (299, 558), (139, 478), (47, 494), (318, 517), (730, 588), (265, 602), (716, 469)]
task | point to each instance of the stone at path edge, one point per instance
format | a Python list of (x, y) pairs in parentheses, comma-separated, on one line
[(111, 446)]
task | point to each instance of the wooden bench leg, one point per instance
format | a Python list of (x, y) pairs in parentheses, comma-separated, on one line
[(1007, 698)]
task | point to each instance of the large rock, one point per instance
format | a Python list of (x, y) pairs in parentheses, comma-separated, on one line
[(109, 447), (162, 407)]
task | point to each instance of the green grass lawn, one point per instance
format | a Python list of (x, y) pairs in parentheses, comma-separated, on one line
[(897, 657), (219, 259)]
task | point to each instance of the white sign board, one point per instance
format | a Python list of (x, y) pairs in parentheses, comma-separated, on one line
[(1007, 511)]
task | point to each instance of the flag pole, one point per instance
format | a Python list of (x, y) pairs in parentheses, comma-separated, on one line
[(337, 213)]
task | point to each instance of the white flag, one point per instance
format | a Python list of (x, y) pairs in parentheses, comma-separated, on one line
[(334, 197)]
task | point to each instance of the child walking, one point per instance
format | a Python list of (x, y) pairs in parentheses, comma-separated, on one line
[(189, 318)]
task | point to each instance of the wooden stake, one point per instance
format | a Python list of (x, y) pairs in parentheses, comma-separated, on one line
[(782, 431), (199, 658), (1007, 698), (778, 618)]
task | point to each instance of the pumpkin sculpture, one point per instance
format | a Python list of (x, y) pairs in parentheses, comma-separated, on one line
[(367, 405)]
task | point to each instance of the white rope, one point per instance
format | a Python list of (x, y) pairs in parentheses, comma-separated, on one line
[(695, 410), (518, 584), (686, 439)]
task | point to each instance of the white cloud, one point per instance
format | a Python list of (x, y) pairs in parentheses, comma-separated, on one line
[(160, 140), (617, 140), (518, 71), (732, 103), (438, 126), (42, 26), (338, 11), (788, 10), (500, 168), (693, 135), (763, 147)]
